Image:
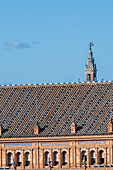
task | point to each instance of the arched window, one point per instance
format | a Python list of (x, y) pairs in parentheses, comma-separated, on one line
[(101, 154), (18, 158), (10, 159), (92, 157), (27, 158), (84, 157), (55, 158), (46, 158), (64, 155), (89, 77)]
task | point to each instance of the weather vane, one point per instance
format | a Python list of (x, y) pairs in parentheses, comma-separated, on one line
[(90, 45)]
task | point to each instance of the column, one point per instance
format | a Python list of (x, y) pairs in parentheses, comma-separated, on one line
[(105, 160), (74, 157), (78, 158), (87, 157), (3, 158), (68, 157), (38, 157), (96, 156), (35, 166), (31, 158), (107, 156), (41, 161), (22, 159), (34, 158), (111, 154), (0, 157), (59, 158), (51, 164), (13, 157)]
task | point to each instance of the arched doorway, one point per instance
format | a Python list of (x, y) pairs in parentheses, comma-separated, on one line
[(101, 155), (10, 159), (46, 158), (64, 158), (27, 159), (92, 157), (55, 156), (18, 158)]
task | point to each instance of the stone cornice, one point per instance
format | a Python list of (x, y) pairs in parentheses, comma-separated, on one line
[(54, 139)]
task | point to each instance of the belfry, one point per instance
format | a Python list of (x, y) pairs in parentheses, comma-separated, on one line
[(90, 67)]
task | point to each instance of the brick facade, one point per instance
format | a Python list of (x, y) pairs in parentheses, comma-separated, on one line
[(74, 147)]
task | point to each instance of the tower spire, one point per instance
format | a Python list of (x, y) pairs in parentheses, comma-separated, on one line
[(90, 67)]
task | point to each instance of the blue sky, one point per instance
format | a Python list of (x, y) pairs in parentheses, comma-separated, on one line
[(44, 41)]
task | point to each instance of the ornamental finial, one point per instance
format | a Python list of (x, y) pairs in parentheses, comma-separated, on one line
[(73, 121)]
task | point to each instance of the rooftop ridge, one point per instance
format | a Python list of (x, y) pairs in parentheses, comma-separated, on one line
[(85, 82)]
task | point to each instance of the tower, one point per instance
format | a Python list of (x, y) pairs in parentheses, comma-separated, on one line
[(90, 67)]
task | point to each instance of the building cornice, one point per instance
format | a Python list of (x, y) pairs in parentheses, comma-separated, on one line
[(54, 139)]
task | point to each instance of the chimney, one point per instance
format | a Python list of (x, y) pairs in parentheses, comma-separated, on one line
[(73, 127), (1, 130), (110, 126)]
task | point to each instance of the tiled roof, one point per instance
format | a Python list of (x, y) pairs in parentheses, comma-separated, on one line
[(55, 106)]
